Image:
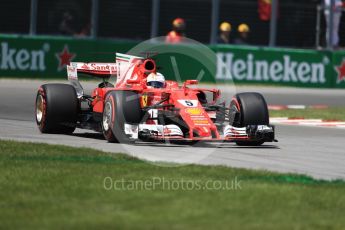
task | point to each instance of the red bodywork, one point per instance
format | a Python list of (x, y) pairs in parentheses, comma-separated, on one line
[(133, 78)]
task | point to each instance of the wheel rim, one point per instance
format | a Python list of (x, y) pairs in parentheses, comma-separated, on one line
[(39, 108), (107, 116)]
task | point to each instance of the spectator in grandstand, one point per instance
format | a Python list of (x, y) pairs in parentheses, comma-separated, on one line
[(85, 31), (67, 24), (224, 35), (177, 34), (243, 34), (337, 11)]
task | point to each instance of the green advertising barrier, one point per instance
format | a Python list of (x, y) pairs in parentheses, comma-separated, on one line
[(47, 57)]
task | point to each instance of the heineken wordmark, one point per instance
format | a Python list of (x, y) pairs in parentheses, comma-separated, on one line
[(229, 67), (22, 59)]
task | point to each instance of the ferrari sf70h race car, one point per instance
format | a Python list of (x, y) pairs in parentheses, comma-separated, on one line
[(128, 110)]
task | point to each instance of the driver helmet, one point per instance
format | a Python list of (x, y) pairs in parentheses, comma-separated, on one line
[(155, 80)]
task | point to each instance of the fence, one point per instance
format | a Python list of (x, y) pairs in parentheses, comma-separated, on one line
[(141, 19)]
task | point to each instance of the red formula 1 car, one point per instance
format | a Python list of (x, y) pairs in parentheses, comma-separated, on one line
[(130, 109)]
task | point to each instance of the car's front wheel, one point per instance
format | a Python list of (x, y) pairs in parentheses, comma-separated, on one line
[(120, 107), (251, 109)]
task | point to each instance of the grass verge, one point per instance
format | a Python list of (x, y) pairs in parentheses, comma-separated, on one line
[(332, 113), (56, 187)]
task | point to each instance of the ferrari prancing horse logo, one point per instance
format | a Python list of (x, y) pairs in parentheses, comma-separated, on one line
[(144, 100)]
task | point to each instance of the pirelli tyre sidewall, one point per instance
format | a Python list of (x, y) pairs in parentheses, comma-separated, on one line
[(120, 107), (252, 109), (56, 108)]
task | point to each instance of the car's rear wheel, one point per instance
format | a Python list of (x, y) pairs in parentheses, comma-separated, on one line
[(120, 107), (251, 109), (56, 108)]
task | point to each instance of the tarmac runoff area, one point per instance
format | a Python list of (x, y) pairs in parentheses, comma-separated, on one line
[(314, 151)]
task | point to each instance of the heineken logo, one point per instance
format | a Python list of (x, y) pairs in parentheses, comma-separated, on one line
[(22, 59), (230, 67), (340, 71), (64, 57)]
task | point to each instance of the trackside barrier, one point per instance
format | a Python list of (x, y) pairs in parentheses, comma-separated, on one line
[(47, 57)]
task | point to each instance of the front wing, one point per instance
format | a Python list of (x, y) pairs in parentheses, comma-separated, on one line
[(172, 132)]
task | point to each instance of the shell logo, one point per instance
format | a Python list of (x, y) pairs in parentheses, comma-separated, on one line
[(194, 111)]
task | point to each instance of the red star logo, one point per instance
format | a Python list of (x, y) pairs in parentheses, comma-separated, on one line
[(341, 72), (65, 57)]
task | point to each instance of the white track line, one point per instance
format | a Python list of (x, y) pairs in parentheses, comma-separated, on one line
[(308, 122), (284, 107)]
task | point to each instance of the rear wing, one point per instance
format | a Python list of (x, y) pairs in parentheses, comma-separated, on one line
[(122, 69), (96, 69)]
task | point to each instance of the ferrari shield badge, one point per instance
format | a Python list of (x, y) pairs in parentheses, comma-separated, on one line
[(144, 100)]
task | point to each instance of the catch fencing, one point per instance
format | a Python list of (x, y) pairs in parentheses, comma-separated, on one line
[(297, 23)]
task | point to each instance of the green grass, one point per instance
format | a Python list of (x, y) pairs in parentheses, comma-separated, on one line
[(56, 187), (332, 113)]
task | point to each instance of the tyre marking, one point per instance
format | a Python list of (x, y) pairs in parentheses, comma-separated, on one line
[(113, 109), (237, 104)]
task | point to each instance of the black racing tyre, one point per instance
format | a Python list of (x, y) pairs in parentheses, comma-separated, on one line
[(252, 110), (56, 108), (120, 107)]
